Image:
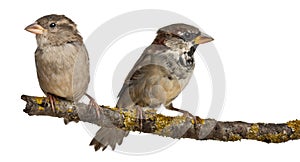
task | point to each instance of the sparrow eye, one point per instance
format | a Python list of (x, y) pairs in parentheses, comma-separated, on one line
[(168, 35), (187, 35), (52, 25)]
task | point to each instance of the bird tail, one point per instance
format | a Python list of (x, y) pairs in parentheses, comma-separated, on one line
[(108, 137)]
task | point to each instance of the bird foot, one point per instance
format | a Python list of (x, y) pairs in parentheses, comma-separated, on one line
[(188, 114), (52, 102), (140, 115), (94, 104), (185, 113)]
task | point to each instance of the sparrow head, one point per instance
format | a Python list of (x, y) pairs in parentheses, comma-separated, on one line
[(54, 30), (183, 40), (181, 37)]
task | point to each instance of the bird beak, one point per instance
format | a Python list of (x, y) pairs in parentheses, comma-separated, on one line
[(203, 38), (35, 28)]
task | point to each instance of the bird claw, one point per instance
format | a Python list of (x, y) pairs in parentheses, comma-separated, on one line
[(140, 115), (94, 104), (52, 102), (185, 113)]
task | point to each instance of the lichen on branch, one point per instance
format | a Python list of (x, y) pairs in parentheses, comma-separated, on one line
[(174, 127)]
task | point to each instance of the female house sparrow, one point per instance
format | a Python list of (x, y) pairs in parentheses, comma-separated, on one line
[(61, 58), (158, 77)]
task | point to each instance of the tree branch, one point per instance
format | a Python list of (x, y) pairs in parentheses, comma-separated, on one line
[(174, 127)]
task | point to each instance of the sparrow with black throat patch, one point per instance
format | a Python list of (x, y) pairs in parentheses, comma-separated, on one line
[(157, 78)]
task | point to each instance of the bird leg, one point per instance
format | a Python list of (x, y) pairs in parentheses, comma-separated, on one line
[(140, 115), (184, 112), (94, 104), (52, 101)]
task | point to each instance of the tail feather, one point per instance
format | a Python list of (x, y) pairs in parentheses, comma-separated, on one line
[(108, 137), (111, 136)]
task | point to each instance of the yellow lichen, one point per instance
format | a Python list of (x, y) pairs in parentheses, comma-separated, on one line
[(57, 108), (70, 110), (129, 119), (112, 108), (198, 120), (39, 100), (273, 138), (295, 126), (234, 137), (40, 108), (253, 131), (162, 123)]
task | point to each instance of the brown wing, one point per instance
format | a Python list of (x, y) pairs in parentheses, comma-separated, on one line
[(152, 85)]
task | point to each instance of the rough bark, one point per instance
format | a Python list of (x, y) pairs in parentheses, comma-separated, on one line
[(174, 127)]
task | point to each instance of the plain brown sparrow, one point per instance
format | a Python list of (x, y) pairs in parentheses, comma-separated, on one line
[(62, 61)]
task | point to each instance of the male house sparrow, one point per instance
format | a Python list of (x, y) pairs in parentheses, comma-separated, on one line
[(62, 61), (158, 77)]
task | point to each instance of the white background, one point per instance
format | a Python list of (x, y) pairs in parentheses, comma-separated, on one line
[(258, 42)]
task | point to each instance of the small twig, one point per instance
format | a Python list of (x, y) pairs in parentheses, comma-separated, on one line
[(174, 127)]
